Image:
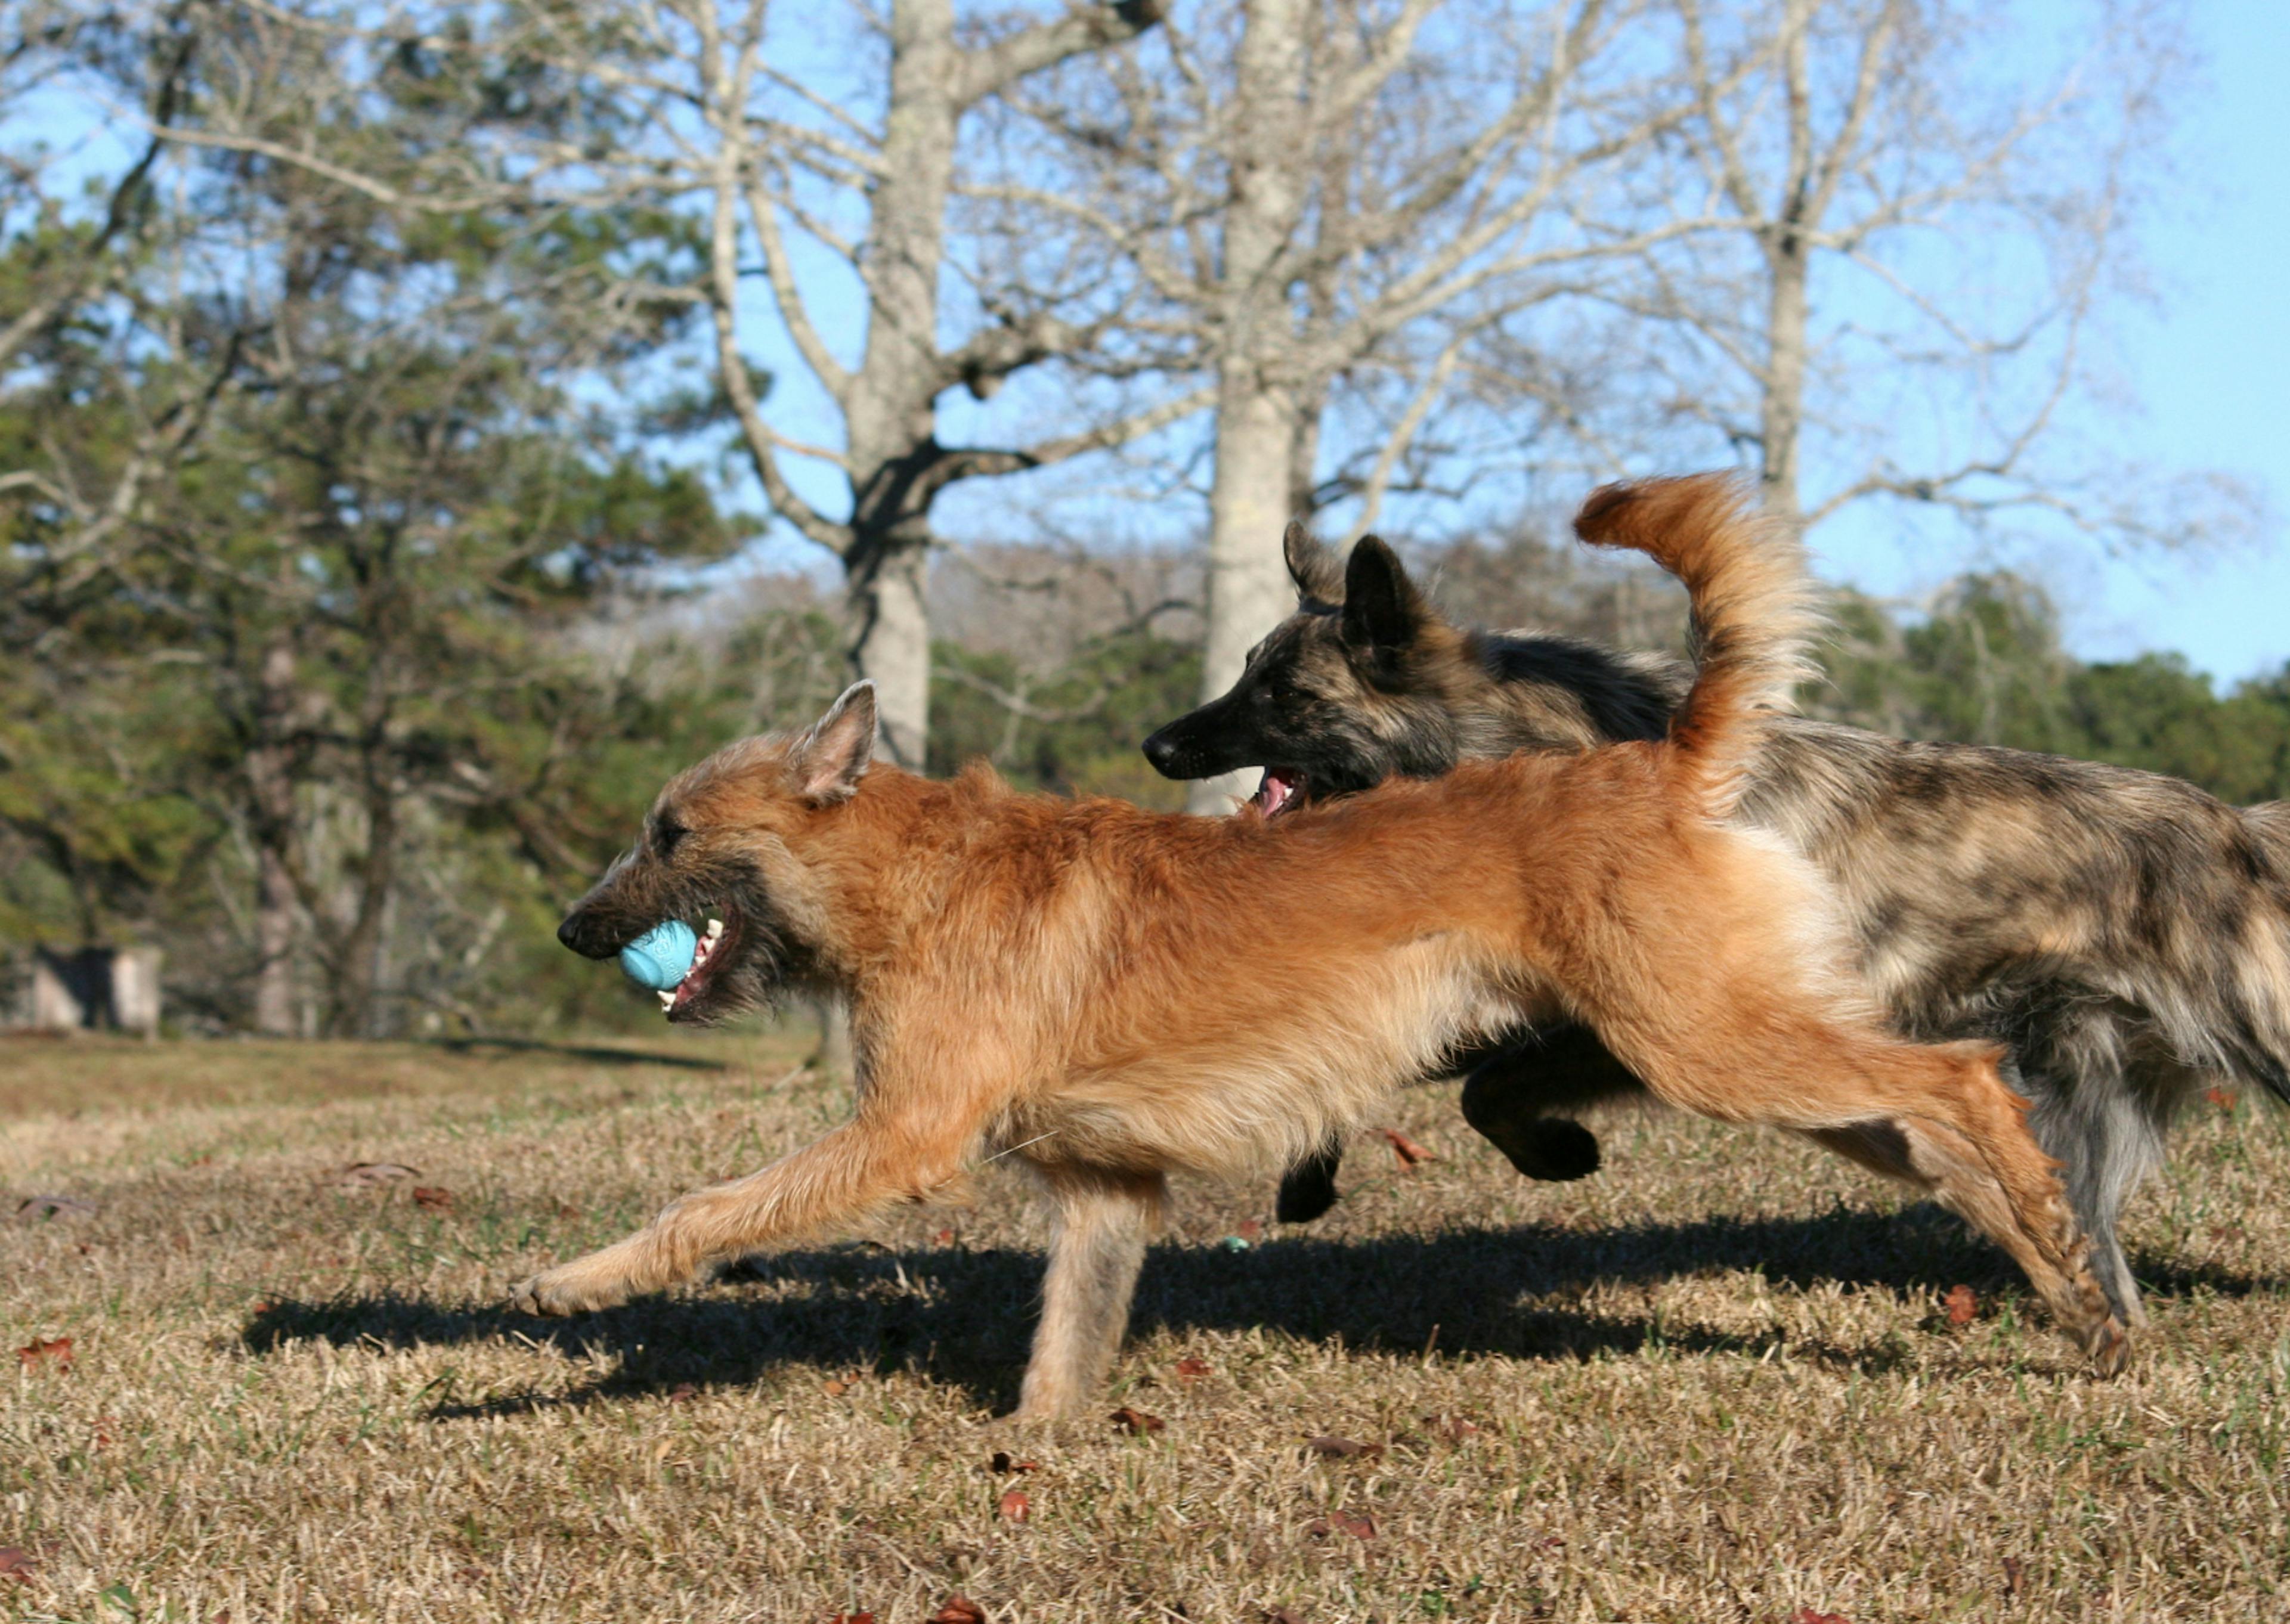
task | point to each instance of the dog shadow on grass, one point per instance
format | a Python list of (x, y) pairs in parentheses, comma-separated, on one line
[(964, 1317)]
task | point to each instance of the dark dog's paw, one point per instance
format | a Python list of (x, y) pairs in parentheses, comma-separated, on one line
[(1307, 1191), (1550, 1148)]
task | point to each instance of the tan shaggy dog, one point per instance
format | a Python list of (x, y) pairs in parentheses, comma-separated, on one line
[(1108, 993)]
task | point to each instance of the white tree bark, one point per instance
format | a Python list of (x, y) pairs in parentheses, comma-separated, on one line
[(1257, 424)]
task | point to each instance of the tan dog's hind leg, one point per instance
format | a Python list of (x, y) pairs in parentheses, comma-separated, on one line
[(847, 1174), (1952, 1170), (1103, 1220), (1964, 1134)]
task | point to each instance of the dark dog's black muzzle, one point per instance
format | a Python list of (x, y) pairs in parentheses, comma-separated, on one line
[(1165, 754), (1199, 744)]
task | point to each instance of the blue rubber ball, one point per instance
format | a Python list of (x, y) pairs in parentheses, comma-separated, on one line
[(661, 956)]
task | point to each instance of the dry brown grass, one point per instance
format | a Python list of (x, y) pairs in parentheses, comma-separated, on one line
[(1713, 1383)]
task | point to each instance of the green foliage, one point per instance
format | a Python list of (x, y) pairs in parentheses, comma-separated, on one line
[(1986, 666), (1076, 732)]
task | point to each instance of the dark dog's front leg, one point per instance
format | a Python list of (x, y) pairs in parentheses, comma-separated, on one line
[(1508, 1095), (1308, 1188)]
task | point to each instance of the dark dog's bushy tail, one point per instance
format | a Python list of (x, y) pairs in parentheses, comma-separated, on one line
[(1753, 610)]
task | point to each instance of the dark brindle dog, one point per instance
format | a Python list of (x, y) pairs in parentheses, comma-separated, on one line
[(2126, 936)]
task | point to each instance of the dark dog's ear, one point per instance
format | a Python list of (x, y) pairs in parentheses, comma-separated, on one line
[(827, 761), (1320, 578), (1382, 610)]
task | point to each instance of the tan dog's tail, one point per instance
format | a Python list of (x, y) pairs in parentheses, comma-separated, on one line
[(1753, 611)]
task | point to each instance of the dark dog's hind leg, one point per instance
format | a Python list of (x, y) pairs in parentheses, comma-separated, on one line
[(1552, 1149), (1308, 1188), (1508, 1098)]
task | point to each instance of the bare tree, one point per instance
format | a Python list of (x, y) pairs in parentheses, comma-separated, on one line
[(1324, 190), (787, 175), (1913, 247), (685, 103)]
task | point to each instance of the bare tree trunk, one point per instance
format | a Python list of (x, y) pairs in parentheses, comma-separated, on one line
[(271, 783), (889, 405), (357, 958), (890, 643), (1780, 408), (1248, 588), (832, 1054), (1257, 417), (1781, 411), (274, 937)]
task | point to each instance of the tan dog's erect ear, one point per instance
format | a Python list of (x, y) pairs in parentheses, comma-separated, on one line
[(827, 761), (1311, 564)]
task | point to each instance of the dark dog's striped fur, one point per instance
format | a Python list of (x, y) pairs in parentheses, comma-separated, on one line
[(1106, 994), (2125, 935)]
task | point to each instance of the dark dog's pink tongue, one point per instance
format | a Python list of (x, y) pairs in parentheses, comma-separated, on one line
[(1275, 792)]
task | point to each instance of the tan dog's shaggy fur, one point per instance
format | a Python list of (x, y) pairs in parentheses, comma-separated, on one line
[(1109, 993)]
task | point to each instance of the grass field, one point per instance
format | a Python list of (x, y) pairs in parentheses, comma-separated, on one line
[(1716, 1382)]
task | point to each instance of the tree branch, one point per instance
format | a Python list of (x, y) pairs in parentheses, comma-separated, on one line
[(988, 69)]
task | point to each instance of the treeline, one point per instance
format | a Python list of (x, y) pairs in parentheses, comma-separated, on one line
[(124, 813), (383, 427)]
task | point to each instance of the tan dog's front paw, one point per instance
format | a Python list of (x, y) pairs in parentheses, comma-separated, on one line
[(567, 1290)]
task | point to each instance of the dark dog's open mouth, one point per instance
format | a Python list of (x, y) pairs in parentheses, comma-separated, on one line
[(1282, 790)]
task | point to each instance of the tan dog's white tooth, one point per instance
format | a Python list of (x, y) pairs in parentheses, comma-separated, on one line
[(714, 929), (667, 999)]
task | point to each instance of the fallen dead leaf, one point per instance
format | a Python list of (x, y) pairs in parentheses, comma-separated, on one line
[(1806, 1615), (2014, 1573), (1137, 1421), (55, 1353), (683, 1393), (1962, 1304), (1330, 1447), (368, 1175), (433, 1196), (1001, 1466), (16, 1563), (2219, 1096), (1190, 1369), (1357, 1523), (1015, 1506), (40, 1209), (945, 1237), (957, 1610), (836, 1388), (1252, 1230), (1407, 1150)]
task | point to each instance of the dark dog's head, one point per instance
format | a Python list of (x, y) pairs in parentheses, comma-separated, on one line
[(1366, 681), (1329, 703), (728, 840)]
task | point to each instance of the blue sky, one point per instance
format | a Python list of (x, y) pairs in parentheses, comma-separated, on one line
[(2209, 367), (2204, 373)]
